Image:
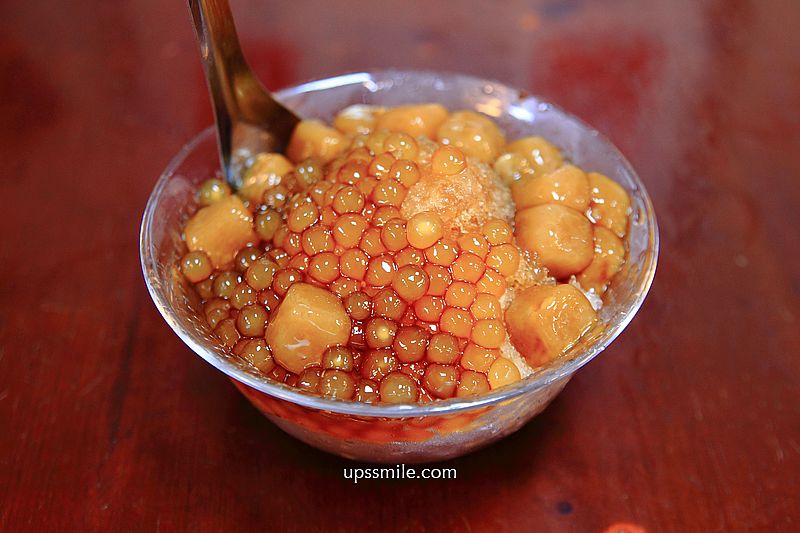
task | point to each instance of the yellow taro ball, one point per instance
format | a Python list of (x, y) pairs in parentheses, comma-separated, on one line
[(542, 155), (567, 185), (414, 120), (474, 134), (308, 321), (357, 119), (610, 204), (609, 256), (220, 230), (267, 171), (511, 167), (312, 138), (544, 320), (560, 236)]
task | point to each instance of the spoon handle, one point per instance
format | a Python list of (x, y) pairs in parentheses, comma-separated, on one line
[(249, 120), (223, 61)]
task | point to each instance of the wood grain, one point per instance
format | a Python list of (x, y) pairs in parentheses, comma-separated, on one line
[(689, 422)]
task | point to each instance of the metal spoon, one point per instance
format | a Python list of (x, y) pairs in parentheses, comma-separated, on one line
[(249, 119)]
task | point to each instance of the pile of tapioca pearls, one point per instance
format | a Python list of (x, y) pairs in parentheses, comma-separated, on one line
[(387, 308)]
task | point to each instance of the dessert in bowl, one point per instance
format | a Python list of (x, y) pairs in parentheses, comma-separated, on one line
[(418, 275)]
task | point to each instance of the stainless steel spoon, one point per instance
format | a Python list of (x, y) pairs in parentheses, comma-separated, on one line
[(249, 119)]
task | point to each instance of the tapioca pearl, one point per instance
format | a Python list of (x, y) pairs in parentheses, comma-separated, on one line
[(443, 349), (324, 267), (410, 283), (317, 239), (337, 385), (410, 344), (196, 266), (429, 308), (478, 358), (460, 294), (467, 267), (398, 387), (443, 252), (456, 321), (439, 279), (424, 229), (380, 332), (377, 364), (472, 383), (503, 372), (441, 380), (393, 235), (353, 264), (388, 304)]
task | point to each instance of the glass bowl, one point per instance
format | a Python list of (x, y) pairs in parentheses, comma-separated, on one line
[(415, 432)]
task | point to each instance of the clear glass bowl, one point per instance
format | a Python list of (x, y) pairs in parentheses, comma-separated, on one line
[(400, 433)]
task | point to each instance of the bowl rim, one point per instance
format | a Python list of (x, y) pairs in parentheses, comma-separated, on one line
[(539, 379)]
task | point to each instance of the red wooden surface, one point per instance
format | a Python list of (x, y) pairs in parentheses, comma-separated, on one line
[(689, 422)]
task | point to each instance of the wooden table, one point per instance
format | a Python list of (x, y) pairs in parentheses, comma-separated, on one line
[(689, 422)]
